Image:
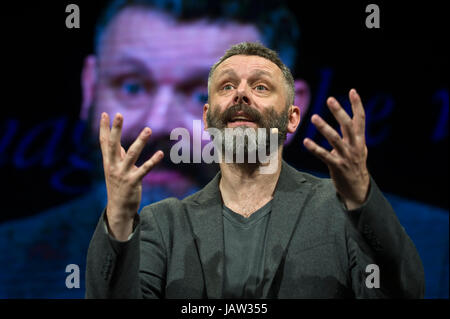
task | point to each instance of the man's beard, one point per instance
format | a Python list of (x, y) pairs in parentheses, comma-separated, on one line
[(255, 143)]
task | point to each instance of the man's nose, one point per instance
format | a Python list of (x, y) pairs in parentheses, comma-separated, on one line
[(162, 116), (242, 94)]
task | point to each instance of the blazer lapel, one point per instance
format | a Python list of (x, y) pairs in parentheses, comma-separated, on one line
[(290, 194), (205, 214)]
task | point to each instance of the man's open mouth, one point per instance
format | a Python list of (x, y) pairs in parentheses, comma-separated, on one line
[(240, 119)]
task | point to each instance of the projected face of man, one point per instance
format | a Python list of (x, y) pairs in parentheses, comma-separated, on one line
[(153, 70)]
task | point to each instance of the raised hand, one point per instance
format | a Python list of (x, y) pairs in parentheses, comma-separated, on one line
[(347, 162), (123, 178)]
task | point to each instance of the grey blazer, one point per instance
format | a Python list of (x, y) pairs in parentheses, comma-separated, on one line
[(315, 248)]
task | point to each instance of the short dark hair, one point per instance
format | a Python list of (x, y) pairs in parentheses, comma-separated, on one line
[(278, 26), (255, 48)]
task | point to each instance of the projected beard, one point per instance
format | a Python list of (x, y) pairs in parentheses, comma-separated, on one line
[(267, 119), (198, 173), (195, 174)]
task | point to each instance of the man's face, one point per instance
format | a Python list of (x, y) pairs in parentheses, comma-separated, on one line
[(153, 70), (248, 92)]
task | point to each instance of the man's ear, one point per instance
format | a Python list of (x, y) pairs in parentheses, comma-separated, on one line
[(301, 99), (205, 111), (88, 82)]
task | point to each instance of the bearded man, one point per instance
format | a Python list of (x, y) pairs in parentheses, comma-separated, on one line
[(249, 234)]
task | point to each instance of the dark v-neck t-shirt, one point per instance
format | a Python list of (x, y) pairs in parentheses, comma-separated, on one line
[(245, 242)]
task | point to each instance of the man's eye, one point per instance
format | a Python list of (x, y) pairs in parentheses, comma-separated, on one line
[(132, 87), (260, 88), (227, 87)]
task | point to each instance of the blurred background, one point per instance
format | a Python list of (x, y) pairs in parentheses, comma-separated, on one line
[(149, 60)]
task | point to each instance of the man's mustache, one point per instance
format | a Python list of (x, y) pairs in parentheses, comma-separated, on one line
[(249, 112)]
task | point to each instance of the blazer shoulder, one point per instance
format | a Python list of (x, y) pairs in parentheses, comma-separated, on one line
[(315, 180), (169, 214), (301, 177), (323, 195), (167, 206)]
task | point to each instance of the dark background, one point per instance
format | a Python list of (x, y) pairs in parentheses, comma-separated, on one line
[(401, 67)]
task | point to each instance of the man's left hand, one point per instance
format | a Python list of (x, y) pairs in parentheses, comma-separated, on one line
[(347, 161)]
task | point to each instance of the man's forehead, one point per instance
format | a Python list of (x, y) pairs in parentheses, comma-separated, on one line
[(247, 65), (159, 40)]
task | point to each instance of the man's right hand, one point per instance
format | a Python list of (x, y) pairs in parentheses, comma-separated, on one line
[(123, 178)]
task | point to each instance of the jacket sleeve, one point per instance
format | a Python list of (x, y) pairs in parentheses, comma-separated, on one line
[(381, 239), (131, 269)]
